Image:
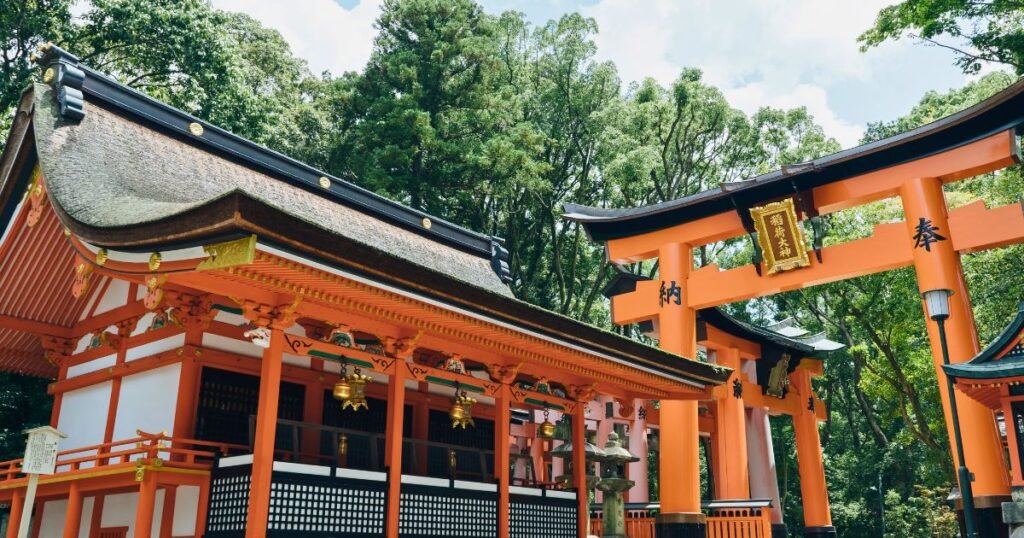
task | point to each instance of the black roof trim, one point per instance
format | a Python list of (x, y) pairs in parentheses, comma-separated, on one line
[(986, 364), (724, 322), (127, 101), (1001, 112)]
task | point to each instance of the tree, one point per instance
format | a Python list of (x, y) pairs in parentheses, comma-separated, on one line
[(23, 27), (976, 31), (225, 68)]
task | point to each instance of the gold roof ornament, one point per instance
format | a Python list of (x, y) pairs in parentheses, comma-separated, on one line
[(780, 236)]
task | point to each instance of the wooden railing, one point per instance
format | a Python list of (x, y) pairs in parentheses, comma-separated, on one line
[(180, 452), (725, 519), (740, 523)]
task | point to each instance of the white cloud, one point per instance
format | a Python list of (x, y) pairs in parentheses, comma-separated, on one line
[(751, 97), (322, 32), (781, 53)]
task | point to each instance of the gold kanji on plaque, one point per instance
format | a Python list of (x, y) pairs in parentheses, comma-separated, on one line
[(780, 235)]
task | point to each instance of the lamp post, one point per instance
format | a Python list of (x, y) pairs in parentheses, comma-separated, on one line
[(937, 302)]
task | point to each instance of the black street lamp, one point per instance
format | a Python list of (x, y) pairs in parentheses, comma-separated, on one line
[(937, 302)]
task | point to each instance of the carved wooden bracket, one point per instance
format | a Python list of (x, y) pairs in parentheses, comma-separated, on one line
[(271, 317), (55, 349), (504, 373), (191, 312), (125, 327), (582, 393)]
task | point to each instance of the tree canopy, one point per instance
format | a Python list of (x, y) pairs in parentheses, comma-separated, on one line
[(492, 122)]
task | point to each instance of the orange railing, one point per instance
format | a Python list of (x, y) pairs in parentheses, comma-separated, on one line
[(640, 527), (725, 519), (179, 452), (740, 523)]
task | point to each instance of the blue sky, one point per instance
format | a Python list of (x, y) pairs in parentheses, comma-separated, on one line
[(782, 53)]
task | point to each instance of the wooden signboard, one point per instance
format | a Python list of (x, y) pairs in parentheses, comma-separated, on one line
[(780, 235)]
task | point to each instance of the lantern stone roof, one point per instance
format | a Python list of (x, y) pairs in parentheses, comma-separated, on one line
[(129, 173), (1001, 112), (1001, 359)]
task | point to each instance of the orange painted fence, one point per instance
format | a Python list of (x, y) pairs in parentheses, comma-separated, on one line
[(725, 519), (187, 453)]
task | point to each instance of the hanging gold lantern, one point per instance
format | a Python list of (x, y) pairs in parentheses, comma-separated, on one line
[(456, 412), (357, 400), (461, 411), (546, 429), (351, 389), (343, 445)]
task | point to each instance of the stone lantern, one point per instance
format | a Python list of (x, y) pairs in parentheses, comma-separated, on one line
[(614, 486)]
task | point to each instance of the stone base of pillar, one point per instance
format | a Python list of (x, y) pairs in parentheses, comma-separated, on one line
[(680, 526), (779, 530), (1013, 516), (988, 514), (820, 532)]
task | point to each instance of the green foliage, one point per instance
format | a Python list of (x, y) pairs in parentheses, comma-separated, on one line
[(493, 123), (980, 31)]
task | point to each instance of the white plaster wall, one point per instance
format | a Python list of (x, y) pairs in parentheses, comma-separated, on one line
[(83, 415), (152, 348), (116, 295), (186, 510), (230, 345), (147, 402), (144, 322), (53, 518), (92, 366), (119, 511)]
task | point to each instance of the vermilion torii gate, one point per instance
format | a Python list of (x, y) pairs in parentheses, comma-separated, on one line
[(913, 166)]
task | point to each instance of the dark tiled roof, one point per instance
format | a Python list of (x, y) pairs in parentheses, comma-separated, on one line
[(1001, 112), (992, 363)]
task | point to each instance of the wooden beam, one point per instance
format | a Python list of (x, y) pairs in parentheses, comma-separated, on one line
[(37, 327)]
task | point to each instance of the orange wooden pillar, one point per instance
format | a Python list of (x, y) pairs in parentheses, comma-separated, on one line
[(203, 507), (938, 267), (813, 491), (502, 432), (579, 469), (73, 515), (146, 507), (1016, 476), (679, 461), (17, 507), (167, 512), (312, 412), (393, 447), (266, 429), (730, 441)]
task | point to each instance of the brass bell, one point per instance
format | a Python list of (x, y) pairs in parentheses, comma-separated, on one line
[(546, 429), (342, 390)]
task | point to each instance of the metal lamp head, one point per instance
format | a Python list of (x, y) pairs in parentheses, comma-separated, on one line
[(937, 303)]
